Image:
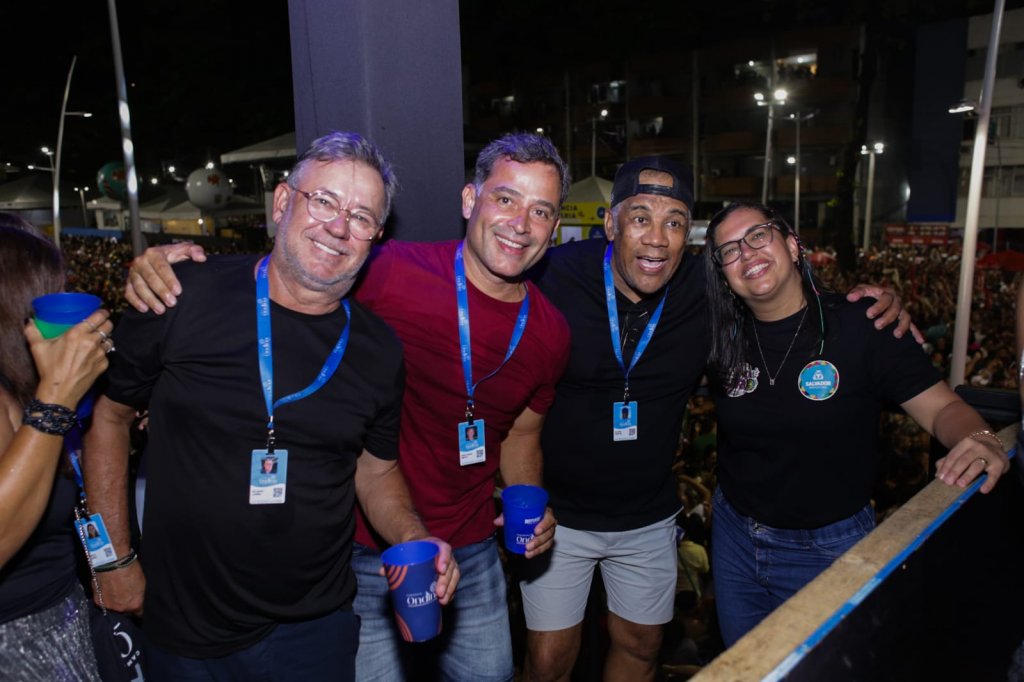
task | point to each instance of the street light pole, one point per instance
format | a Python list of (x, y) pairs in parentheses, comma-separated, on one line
[(593, 141), (999, 190), (127, 146), (966, 285), (767, 155), (799, 118), (593, 146), (796, 180), (778, 97), (876, 148), (56, 157), (81, 195)]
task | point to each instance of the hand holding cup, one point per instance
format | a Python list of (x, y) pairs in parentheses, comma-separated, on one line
[(69, 354), (523, 508), (412, 579)]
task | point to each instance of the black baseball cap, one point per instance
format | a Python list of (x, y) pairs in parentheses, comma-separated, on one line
[(627, 180)]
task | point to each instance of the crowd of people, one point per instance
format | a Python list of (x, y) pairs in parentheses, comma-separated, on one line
[(510, 339), (927, 278)]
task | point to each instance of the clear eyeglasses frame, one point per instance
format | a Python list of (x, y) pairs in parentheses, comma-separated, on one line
[(757, 237), (326, 207)]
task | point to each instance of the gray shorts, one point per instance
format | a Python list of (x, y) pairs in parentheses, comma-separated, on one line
[(638, 568)]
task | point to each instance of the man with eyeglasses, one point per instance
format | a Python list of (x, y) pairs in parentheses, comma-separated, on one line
[(484, 350), (249, 575)]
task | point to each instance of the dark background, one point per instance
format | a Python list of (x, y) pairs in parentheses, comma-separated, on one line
[(208, 77)]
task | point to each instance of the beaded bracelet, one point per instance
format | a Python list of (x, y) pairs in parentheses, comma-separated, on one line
[(55, 420), (124, 562)]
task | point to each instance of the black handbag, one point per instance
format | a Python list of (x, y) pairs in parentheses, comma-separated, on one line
[(117, 642)]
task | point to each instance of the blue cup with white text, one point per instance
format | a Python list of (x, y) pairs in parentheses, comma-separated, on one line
[(523, 507), (412, 579)]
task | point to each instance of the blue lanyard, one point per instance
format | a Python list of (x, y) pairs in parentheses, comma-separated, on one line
[(613, 320), (266, 353), (465, 347), (77, 466)]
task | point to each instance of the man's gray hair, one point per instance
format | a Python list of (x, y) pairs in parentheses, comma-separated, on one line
[(345, 146), (521, 148)]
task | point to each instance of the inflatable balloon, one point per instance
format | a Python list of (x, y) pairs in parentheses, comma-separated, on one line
[(208, 188), (111, 180)]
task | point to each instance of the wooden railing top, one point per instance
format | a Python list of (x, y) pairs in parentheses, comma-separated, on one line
[(776, 646)]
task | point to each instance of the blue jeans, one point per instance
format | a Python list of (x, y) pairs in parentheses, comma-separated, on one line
[(474, 643), (319, 649), (757, 567)]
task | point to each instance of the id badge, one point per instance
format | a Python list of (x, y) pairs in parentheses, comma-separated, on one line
[(268, 477), (471, 443), (97, 541), (624, 416)]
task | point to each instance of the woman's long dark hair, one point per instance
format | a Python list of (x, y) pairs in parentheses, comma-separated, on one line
[(30, 266), (727, 312)]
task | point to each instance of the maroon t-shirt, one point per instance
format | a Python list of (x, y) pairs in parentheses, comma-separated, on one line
[(412, 287)]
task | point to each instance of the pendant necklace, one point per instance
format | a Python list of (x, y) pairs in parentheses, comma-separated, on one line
[(771, 379)]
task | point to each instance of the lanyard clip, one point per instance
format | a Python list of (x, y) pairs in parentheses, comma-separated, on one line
[(625, 394), (469, 412), (271, 440)]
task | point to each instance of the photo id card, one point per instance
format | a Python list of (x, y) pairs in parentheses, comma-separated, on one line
[(97, 542), (471, 442), (624, 421), (268, 477)]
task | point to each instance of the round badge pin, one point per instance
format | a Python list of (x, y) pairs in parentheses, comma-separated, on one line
[(818, 380)]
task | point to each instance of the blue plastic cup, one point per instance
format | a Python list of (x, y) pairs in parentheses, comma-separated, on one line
[(523, 507), (412, 579), (56, 313)]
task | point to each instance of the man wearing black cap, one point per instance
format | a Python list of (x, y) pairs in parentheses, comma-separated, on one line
[(635, 307), (636, 310)]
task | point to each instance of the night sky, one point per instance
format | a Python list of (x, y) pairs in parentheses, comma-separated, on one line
[(206, 77), (202, 78)]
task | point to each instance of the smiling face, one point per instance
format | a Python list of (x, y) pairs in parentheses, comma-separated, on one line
[(509, 224), (649, 236), (314, 260), (767, 279)]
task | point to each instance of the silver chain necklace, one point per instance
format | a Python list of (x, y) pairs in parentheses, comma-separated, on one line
[(771, 379)]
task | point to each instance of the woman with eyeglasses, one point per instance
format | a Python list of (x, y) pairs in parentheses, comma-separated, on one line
[(800, 377)]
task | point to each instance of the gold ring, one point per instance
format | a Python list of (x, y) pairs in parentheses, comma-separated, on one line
[(983, 461), (103, 335), (104, 340)]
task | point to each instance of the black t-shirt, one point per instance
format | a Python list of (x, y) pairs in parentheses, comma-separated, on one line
[(594, 482), (42, 572), (221, 572), (792, 462)]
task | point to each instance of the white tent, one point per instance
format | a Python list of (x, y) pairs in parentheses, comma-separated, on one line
[(590, 190), (34, 191), (175, 205), (280, 147)]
